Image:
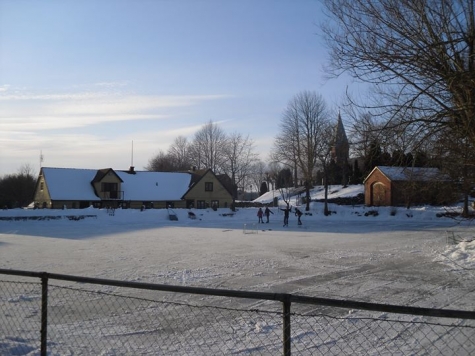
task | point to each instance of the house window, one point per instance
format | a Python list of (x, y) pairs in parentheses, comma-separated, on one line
[(42, 185), (208, 186), (111, 188), (215, 204), (200, 204)]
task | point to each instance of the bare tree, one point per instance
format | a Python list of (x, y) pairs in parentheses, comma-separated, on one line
[(27, 169), (303, 127), (420, 55), (375, 143), (457, 156), (161, 162), (179, 152), (239, 159), (207, 148), (324, 158), (284, 150), (370, 139), (255, 176)]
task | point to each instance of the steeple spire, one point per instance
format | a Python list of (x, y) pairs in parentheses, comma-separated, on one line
[(341, 148), (340, 133)]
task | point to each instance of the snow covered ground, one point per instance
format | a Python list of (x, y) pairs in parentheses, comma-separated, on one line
[(398, 256)]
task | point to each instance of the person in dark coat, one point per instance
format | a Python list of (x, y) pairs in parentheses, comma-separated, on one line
[(298, 214), (260, 213), (286, 211), (267, 212)]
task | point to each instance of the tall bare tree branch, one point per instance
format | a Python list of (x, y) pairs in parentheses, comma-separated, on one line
[(420, 55)]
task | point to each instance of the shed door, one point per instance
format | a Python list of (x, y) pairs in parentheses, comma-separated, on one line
[(378, 194)]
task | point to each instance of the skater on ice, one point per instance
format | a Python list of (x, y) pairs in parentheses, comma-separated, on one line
[(286, 211), (260, 213), (298, 214), (267, 212)]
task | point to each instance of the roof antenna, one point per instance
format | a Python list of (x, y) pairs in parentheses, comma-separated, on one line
[(132, 168), (41, 158), (132, 155)]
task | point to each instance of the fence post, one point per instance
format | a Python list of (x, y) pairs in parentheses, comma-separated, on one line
[(44, 313), (286, 325)]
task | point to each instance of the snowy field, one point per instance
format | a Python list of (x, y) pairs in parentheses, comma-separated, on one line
[(398, 257)]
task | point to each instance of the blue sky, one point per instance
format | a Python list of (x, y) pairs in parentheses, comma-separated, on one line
[(81, 80)]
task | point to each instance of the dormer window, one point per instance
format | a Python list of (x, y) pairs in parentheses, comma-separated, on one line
[(208, 186), (111, 189)]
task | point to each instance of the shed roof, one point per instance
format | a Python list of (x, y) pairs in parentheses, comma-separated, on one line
[(418, 174)]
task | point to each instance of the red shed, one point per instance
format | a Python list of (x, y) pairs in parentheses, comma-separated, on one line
[(393, 186)]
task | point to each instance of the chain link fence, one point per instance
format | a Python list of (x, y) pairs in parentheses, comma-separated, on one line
[(48, 314)]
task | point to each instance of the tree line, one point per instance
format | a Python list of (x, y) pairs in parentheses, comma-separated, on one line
[(17, 190), (232, 154), (417, 59)]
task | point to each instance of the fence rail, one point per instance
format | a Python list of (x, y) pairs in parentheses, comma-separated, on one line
[(74, 317)]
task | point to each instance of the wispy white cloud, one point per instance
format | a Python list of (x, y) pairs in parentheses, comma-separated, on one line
[(112, 84), (68, 110), (85, 150), (18, 95), (55, 122), (31, 122)]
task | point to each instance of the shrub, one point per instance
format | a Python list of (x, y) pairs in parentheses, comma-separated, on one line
[(371, 213)]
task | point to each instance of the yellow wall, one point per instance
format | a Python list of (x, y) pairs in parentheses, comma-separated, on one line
[(156, 204), (219, 193), (42, 197)]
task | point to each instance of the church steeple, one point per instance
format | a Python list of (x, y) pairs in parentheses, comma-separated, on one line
[(341, 147)]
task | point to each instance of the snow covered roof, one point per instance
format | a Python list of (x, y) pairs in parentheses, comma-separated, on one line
[(75, 184), (70, 183), (411, 173), (156, 186)]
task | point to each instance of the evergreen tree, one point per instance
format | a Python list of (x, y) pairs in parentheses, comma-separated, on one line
[(373, 157), (263, 188), (17, 190), (284, 179)]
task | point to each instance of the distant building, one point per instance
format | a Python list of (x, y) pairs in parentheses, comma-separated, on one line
[(405, 186), (80, 188)]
